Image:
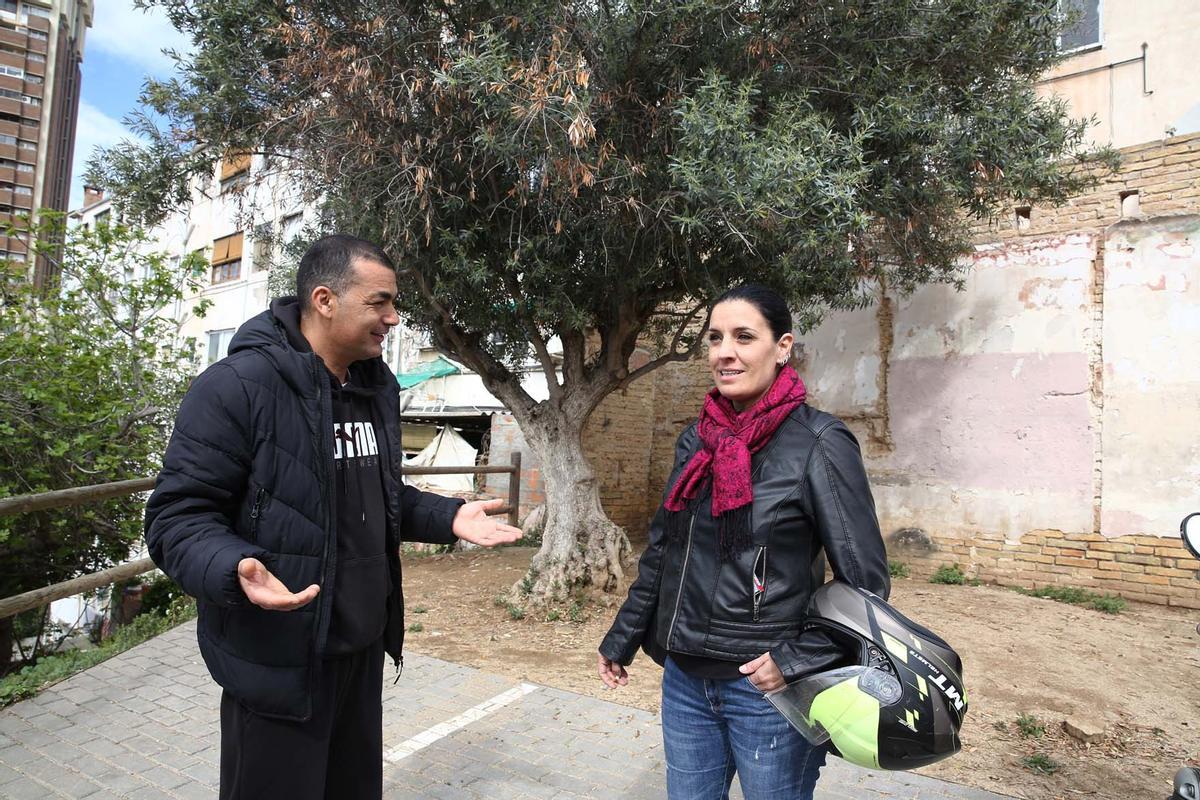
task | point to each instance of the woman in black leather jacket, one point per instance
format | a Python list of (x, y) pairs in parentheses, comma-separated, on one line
[(764, 488)]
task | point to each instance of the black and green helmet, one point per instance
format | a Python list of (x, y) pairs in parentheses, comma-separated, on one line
[(898, 704)]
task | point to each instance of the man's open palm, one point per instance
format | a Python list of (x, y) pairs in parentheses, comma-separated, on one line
[(473, 524), (266, 591)]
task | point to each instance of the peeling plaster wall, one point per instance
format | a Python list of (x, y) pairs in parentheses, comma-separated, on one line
[(1151, 439), (1043, 425)]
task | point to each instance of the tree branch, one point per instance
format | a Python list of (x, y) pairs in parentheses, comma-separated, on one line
[(672, 353), (535, 338)]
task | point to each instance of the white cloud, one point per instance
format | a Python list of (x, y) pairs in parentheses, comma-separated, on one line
[(95, 129), (136, 36)]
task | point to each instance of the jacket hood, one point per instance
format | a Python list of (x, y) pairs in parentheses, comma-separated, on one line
[(276, 334)]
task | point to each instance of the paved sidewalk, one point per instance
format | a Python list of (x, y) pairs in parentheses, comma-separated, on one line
[(144, 725)]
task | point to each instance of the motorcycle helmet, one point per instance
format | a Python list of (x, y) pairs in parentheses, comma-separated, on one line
[(898, 704)]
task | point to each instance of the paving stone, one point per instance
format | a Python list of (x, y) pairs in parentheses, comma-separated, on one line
[(143, 725)]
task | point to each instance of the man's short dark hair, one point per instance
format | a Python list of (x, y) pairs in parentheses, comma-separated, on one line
[(329, 262)]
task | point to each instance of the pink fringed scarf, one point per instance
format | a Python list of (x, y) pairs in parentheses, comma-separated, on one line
[(728, 439)]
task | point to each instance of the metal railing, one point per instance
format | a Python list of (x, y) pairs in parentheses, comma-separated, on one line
[(79, 495)]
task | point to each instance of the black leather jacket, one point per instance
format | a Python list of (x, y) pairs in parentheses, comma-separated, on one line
[(811, 500)]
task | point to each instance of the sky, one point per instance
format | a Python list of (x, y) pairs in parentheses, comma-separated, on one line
[(122, 48)]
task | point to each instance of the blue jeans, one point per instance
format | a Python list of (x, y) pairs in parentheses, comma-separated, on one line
[(713, 729)]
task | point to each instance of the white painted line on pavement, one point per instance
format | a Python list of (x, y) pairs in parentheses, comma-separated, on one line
[(444, 729)]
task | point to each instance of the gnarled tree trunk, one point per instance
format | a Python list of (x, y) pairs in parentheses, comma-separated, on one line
[(581, 546)]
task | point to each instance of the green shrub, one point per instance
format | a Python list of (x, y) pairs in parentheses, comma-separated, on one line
[(897, 569), (949, 574), (515, 612), (158, 595), (416, 627)]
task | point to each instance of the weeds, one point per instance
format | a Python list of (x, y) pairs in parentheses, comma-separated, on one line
[(1030, 727), (575, 612), (1041, 763), (1107, 603), (416, 627), (897, 569), (515, 612), (51, 669), (553, 615), (419, 609)]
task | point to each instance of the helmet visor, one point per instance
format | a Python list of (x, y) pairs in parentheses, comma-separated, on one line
[(841, 705)]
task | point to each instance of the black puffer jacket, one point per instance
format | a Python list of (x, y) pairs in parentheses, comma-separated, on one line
[(811, 498), (249, 472)]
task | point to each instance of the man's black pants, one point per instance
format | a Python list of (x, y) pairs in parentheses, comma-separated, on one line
[(338, 753)]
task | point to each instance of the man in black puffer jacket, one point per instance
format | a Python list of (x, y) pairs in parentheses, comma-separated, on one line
[(280, 508)]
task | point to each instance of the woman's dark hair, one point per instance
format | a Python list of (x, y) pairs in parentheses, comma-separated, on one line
[(768, 302), (330, 261)]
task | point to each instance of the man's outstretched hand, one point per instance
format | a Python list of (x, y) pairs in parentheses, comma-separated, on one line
[(472, 524), (266, 591)]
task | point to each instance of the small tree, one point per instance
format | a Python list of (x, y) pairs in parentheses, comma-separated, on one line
[(92, 378), (594, 171)]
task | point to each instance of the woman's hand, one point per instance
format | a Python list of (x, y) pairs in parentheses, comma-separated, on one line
[(612, 673), (763, 673)]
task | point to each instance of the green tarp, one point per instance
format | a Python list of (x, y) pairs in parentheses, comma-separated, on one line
[(430, 369)]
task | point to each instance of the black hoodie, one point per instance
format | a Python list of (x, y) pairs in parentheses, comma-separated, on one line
[(362, 585)]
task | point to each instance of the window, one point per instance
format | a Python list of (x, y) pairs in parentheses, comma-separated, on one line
[(35, 34), (227, 259), (9, 6), (37, 11), (1084, 29), (10, 93), (24, 167), (6, 139), (22, 190), (218, 344), (262, 247), (36, 57), (31, 100), (15, 72), (289, 227), (102, 218), (234, 164), (33, 79), (24, 144)]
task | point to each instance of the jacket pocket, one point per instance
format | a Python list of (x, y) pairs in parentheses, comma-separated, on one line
[(758, 580), (728, 637), (260, 500)]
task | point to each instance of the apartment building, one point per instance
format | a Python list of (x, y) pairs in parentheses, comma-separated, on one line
[(41, 50), (1129, 66)]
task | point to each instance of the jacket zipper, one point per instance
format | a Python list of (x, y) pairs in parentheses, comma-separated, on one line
[(325, 425), (759, 577), (254, 513), (687, 554)]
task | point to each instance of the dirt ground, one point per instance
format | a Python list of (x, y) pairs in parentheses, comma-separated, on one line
[(1136, 674)]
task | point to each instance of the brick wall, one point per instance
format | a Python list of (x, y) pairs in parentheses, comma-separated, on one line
[(1166, 176)]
